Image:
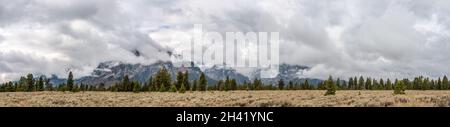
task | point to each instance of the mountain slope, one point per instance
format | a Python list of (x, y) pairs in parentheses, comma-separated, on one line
[(113, 71)]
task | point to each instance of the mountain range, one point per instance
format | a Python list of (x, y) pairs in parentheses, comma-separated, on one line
[(113, 71)]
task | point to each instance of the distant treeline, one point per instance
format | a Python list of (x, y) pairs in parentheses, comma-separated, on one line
[(161, 82)]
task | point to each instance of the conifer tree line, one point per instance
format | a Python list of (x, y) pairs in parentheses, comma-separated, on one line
[(162, 82), (368, 83)]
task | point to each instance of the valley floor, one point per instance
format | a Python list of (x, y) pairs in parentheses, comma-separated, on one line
[(299, 98)]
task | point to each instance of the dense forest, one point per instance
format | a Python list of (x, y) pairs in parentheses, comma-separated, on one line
[(161, 82)]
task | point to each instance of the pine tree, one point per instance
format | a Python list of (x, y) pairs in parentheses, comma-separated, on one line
[(307, 86), (426, 84), (361, 83), (368, 85), (291, 85), (220, 85), (375, 85), (186, 80), (194, 86), (382, 85), (70, 81), (432, 85), (30, 83), (48, 85), (125, 86), (136, 87), (399, 88), (350, 83), (445, 83), (173, 88), (83, 87), (101, 87), (40, 84), (9, 87), (388, 84), (407, 83), (180, 79), (163, 78), (62, 87), (151, 84), (202, 82), (162, 88), (330, 86), (338, 83), (233, 84), (182, 89), (227, 84), (439, 84), (280, 84), (257, 85), (75, 88)]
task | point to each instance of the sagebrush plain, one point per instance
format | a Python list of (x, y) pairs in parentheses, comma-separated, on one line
[(285, 98)]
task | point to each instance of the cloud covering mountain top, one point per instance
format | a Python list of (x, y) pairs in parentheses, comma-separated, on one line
[(380, 38)]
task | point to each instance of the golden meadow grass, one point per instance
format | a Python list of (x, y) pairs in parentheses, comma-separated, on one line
[(298, 98)]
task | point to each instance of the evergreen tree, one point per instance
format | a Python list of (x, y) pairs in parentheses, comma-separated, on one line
[(350, 83), (368, 85), (432, 84), (151, 84), (220, 85), (445, 83), (163, 78), (136, 87), (9, 87), (361, 83), (75, 88), (125, 86), (180, 79), (182, 89), (407, 83), (388, 84), (233, 84), (291, 85), (62, 87), (330, 86), (194, 86), (40, 84), (426, 84), (257, 85), (399, 87), (162, 88), (439, 84), (202, 82), (280, 84), (30, 83), (48, 85), (338, 83), (83, 87), (306, 84), (101, 87), (186, 80), (70, 81), (375, 85), (382, 85), (173, 88), (227, 84)]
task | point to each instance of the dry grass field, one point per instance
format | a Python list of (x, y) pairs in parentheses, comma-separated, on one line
[(311, 98)]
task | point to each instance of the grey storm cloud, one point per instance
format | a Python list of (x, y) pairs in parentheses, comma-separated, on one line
[(344, 38)]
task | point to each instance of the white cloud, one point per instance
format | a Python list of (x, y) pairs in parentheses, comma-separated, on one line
[(343, 38)]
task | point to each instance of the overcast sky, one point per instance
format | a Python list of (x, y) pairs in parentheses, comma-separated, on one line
[(381, 38)]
